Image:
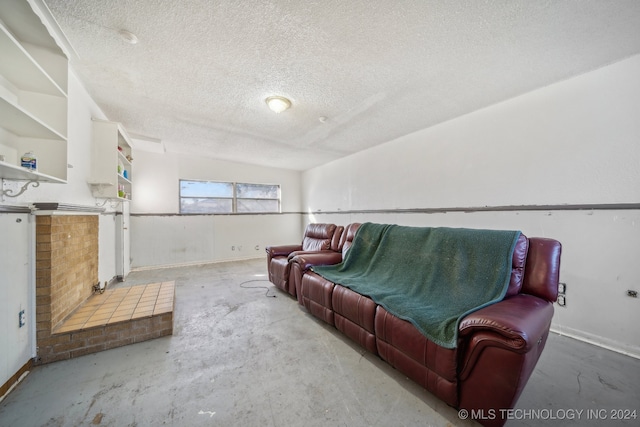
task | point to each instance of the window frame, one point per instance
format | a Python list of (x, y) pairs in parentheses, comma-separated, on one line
[(234, 198)]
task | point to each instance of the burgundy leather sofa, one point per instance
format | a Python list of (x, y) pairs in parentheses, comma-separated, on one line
[(317, 238), (498, 345)]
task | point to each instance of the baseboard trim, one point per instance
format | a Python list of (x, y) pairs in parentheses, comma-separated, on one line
[(192, 264), (563, 332), (15, 379)]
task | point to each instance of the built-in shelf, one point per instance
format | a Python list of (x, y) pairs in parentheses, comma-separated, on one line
[(111, 158), (33, 95), (22, 123), (10, 171), (23, 71)]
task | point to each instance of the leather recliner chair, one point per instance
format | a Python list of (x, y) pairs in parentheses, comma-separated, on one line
[(302, 262), (317, 238)]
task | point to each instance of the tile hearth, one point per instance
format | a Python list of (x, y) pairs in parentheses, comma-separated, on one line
[(121, 305)]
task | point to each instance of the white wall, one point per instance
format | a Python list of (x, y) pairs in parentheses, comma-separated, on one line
[(575, 142), (572, 142), (16, 232), (170, 240), (156, 180), (161, 237), (107, 247)]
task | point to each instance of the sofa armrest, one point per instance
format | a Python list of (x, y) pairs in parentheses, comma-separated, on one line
[(499, 347), (304, 253), (518, 324), (282, 250), (520, 318), (306, 260)]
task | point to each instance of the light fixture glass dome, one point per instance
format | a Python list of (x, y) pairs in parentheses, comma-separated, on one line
[(278, 104), (128, 36)]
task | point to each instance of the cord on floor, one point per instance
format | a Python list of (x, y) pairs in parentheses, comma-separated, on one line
[(266, 294)]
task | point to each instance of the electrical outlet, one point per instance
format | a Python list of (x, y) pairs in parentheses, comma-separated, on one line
[(562, 300), (22, 319), (562, 288)]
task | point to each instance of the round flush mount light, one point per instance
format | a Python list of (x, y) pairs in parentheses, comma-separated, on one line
[(128, 36), (278, 104)]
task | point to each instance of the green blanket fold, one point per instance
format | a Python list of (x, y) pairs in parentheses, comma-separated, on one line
[(431, 277)]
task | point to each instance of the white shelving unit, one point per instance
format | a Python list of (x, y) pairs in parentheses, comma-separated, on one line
[(33, 95), (112, 171)]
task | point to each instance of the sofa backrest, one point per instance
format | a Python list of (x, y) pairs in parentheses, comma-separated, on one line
[(542, 271), (317, 237), (336, 240), (518, 265), (535, 268), (347, 237)]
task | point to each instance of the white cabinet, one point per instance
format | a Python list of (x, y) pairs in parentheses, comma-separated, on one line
[(111, 169), (33, 95)]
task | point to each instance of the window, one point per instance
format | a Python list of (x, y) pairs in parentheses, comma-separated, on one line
[(257, 198), (228, 197)]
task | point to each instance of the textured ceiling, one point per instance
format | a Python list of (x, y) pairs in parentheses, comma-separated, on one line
[(375, 69)]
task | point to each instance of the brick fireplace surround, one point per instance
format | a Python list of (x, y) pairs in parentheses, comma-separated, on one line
[(66, 272)]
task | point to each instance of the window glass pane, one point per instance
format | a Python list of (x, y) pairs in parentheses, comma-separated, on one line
[(205, 189), (195, 205), (218, 197), (256, 191), (253, 205)]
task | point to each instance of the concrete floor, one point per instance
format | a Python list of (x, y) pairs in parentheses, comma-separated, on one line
[(239, 357)]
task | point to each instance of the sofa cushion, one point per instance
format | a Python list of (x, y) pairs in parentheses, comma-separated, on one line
[(279, 272), (408, 339), (317, 237), (315, 295), (355, 307), (354, 316), (402, 345)]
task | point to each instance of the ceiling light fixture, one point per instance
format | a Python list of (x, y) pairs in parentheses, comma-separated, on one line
[(128, 36), (278, 104)]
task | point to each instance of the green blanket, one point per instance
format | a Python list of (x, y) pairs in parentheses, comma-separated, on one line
[(431, 277)]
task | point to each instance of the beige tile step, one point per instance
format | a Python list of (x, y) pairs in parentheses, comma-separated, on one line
[(121, 305)]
